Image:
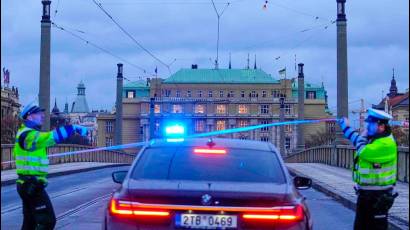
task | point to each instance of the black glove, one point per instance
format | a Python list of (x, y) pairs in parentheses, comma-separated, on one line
[(385, 202)]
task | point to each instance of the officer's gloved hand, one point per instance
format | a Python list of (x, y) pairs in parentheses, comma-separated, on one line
[(80, 130), (344, 122)]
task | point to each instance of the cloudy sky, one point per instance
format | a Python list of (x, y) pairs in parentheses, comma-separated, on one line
[(185, 30)]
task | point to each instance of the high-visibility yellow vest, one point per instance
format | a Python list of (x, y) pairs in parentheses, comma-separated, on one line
[(31, 158), (376, 164)]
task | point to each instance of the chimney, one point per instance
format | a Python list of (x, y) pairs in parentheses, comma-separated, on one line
[(118, 107), (301, 106), (194, 66)]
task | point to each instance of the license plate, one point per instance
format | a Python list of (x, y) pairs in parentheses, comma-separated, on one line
[(205, 221)]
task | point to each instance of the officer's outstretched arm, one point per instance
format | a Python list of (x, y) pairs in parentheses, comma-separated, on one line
[(358, 141)]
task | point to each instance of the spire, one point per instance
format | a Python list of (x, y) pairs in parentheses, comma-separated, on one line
[(248, 62), (55, 109), (230, 66), (66, 106), (254, 65), (393, 87)]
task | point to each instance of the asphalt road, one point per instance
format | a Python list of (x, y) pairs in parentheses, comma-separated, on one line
[(80, 199)]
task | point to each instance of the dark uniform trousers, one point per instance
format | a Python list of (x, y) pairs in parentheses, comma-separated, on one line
[(38, 211), (372, 209)]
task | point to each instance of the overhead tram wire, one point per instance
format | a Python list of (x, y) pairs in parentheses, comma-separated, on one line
[(99, 5), (98, 47)]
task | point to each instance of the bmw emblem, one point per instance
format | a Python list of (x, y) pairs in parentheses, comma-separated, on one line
[(206, 199)]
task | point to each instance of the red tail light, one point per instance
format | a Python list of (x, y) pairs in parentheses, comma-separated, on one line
[(126, 208), (290, 213), (211, 151)]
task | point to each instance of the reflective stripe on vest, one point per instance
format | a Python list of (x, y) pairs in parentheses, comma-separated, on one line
[(33, 168), (377, 180), (376, 171), (33, 159)]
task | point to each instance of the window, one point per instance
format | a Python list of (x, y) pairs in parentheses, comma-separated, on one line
[(199, 126), (167, 93), (108, 141), (199, 108), (288, 109), (178, 93), (264, 109), (188, 93), (220, 125), (265, 139), (157, 108), (177, 108), (220, 109), (287, 142), (276, 93), (243, 123), (264, 93), (243, 137), (199, 93), (130, 94), (243, 109), (221, 93), (253, 93), (288, 128), (310, 94), (242, 93), (108, 126), (231, 93), (264, 122), (210, 93)]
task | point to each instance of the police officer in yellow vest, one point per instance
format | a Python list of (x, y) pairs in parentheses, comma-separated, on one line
[(32, 166), (374, 169)]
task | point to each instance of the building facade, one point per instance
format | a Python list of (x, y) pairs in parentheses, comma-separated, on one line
[(10, 105), (217, 99)]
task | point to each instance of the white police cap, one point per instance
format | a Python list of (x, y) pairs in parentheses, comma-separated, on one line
[(30, 109), (375, 115)]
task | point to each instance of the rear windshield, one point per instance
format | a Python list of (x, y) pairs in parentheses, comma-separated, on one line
[(181, 163)]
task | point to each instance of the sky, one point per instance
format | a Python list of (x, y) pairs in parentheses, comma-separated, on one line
[(184, 32)]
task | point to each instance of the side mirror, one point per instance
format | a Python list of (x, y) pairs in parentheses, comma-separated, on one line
[(118, 176), (302, 182)]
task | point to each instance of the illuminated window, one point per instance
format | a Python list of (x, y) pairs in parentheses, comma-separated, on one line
[(130, 94), (188, 93), (221, 93), (243, 109), (264, 93), (243, 123), (221, 109), (199, 126), (220, 125), (178, 93), (311, 95), (265, 139), (264, 122), (210, 93), (242, 93), (177, 108), (199, 108), (264, 109), (199, 93), (157, 108)]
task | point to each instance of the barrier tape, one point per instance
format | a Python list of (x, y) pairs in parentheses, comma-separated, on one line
[(213, 133)]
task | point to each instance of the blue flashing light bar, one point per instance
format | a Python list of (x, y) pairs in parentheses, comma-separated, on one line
[(174, 130)]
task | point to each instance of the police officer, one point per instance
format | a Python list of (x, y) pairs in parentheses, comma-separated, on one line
[(32, 166), (374, 169)]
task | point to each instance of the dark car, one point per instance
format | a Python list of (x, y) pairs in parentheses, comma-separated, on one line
[(208, 184)]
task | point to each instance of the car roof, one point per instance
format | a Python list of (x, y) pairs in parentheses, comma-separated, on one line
[(219, 142)]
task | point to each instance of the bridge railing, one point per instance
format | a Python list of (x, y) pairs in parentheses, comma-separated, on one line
[(342, 156), (97, 156)]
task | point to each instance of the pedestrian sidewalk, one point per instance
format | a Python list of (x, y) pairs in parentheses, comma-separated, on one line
[(10, 176), (337, 183)]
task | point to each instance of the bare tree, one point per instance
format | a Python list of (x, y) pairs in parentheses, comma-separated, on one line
[(9, 127), (401, 136)]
